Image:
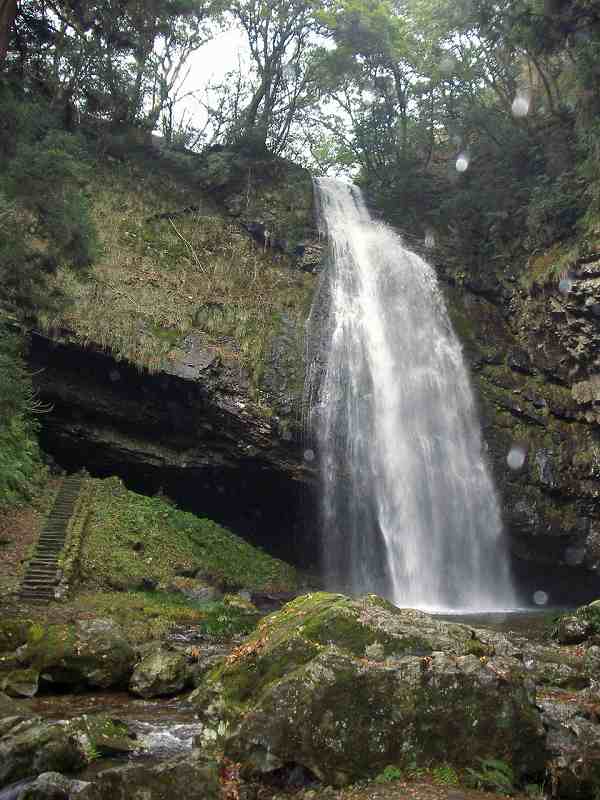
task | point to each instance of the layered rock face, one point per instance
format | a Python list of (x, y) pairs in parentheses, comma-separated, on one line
[(534, 359), (194, 435)]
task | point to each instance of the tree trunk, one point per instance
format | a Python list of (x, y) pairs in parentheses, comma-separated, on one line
[(8, 12)]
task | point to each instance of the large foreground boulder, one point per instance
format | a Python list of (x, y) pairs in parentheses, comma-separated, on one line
[(93, 653), (345, 687)]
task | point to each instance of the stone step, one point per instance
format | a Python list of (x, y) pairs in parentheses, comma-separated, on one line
[(38, 588), (36, 570), (41, 572), (34, 597), (37, 598)]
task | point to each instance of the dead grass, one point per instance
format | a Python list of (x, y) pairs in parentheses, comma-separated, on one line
[(158, 279)]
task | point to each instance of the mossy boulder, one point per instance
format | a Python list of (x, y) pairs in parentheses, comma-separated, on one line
[(103, 735), (32, 746), (13, 634), (11, 712), (191, 776), (20, 682), (160, 673), (54, 786), (344, 687), (573, 629), (92, 653)]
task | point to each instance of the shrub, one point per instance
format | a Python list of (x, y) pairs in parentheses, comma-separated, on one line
[(389, 774), (20, 464), (493, 774), (44, 213)]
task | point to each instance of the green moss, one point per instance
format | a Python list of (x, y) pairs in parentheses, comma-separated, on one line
[(14, 633), (56, 644), (105, 735), (130, 537), (476, 648)]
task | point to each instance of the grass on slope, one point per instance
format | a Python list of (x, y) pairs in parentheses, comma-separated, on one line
[(157, 279), (130, 537), (145, 616)]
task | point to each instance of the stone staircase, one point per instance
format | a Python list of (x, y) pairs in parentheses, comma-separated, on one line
[(41, 576)]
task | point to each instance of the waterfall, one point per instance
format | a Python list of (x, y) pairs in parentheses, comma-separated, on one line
[(408, 505)]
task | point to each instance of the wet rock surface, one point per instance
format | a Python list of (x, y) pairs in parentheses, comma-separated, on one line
[(533, 357)]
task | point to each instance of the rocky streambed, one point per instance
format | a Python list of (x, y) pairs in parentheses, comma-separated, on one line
[(328, 691)]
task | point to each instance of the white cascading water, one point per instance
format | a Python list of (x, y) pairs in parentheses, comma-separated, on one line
[(409, 508)]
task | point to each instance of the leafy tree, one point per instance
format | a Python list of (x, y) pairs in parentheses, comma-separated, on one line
[(280, 35), (118, 61), (8, 12), (20, 465), (44, 214)]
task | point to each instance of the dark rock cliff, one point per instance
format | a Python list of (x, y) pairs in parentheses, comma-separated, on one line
[(535, 363)]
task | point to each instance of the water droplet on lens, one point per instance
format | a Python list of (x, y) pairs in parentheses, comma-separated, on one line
[(574, 555), (516, 456), (462, 162), (521, 103), (565, 285), (289, 71), (448, 64), (540, 598), (309, 455)]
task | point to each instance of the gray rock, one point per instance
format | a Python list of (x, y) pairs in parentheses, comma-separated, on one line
[(33, 746), (301, 690), (573, 741), (191, 776), (160, 673), (54, 786), (573, 630)]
